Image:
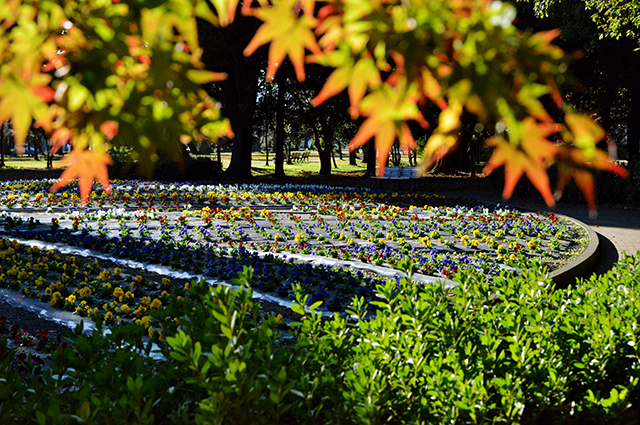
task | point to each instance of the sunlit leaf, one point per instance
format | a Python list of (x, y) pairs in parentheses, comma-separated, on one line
[(85, 165), (518, 161), (226, 10), (288, 34), (585, 131), (23, 101), (387, 110), (577, 166), (358, 77), (201, 76)]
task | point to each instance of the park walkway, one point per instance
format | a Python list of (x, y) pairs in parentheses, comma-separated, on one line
[(618, 229)]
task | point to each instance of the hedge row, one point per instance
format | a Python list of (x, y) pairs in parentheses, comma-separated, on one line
[(514, 350)]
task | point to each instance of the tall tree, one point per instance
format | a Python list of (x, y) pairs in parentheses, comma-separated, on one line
[(223, 48)]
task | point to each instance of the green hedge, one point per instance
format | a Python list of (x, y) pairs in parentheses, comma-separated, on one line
[(513, 351)]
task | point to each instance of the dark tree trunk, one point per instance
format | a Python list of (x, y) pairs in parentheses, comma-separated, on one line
[(36, 150), (468, 121), (280, 135), (240, 165), (370, 154), (242, 91), (266, 144), (223, 52), (49, 156), (325, 150), (633, 120), (1, 145), (353, 158), (323, 154)]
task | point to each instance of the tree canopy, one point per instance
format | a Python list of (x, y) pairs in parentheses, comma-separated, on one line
[(615, 18), (102, 72)]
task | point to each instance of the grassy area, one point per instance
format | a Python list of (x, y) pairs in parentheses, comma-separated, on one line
[(303, 169), (259, 165), (28, 163)]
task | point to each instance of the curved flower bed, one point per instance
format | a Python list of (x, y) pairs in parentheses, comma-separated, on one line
[(216, 230)]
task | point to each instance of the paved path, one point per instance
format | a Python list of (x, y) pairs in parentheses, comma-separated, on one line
[(618, 228)]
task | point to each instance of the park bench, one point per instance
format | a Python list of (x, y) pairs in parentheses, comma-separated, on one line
[(397, 175), (299, 156)]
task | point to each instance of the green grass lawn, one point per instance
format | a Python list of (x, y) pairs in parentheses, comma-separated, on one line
[(28, 163), (259, 165)]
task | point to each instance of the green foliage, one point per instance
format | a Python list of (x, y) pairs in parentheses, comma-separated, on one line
[(101, 379), (615, 18), (507, 351)]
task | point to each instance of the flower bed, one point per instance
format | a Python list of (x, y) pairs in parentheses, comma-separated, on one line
[(215, 231)]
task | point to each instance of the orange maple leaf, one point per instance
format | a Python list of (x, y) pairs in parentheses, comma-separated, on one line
[(575, 166), (85, 165), (357, 76), (531, 157)]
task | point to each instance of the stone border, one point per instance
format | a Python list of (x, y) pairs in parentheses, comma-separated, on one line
[(581, 266)]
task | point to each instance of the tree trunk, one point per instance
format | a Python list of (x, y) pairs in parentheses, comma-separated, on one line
[(370, 154), (280, 134), (326, 153), (323, 154), (240, 165), (2, 145), (468, 122), (353, 158), (633, 120), (36, 150), (222, 51)]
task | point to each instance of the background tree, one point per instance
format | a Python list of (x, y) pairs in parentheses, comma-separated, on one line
[(608, 32)]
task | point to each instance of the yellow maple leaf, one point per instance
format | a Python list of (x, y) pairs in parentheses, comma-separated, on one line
[(22, 101), (288, 33), (85, 165), (226, 10)]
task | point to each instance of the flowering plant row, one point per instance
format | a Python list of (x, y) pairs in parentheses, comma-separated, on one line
[(439, 239), (171, 196), (81, 285)]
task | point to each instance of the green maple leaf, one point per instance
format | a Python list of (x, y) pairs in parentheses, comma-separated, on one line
[(23, 101)]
